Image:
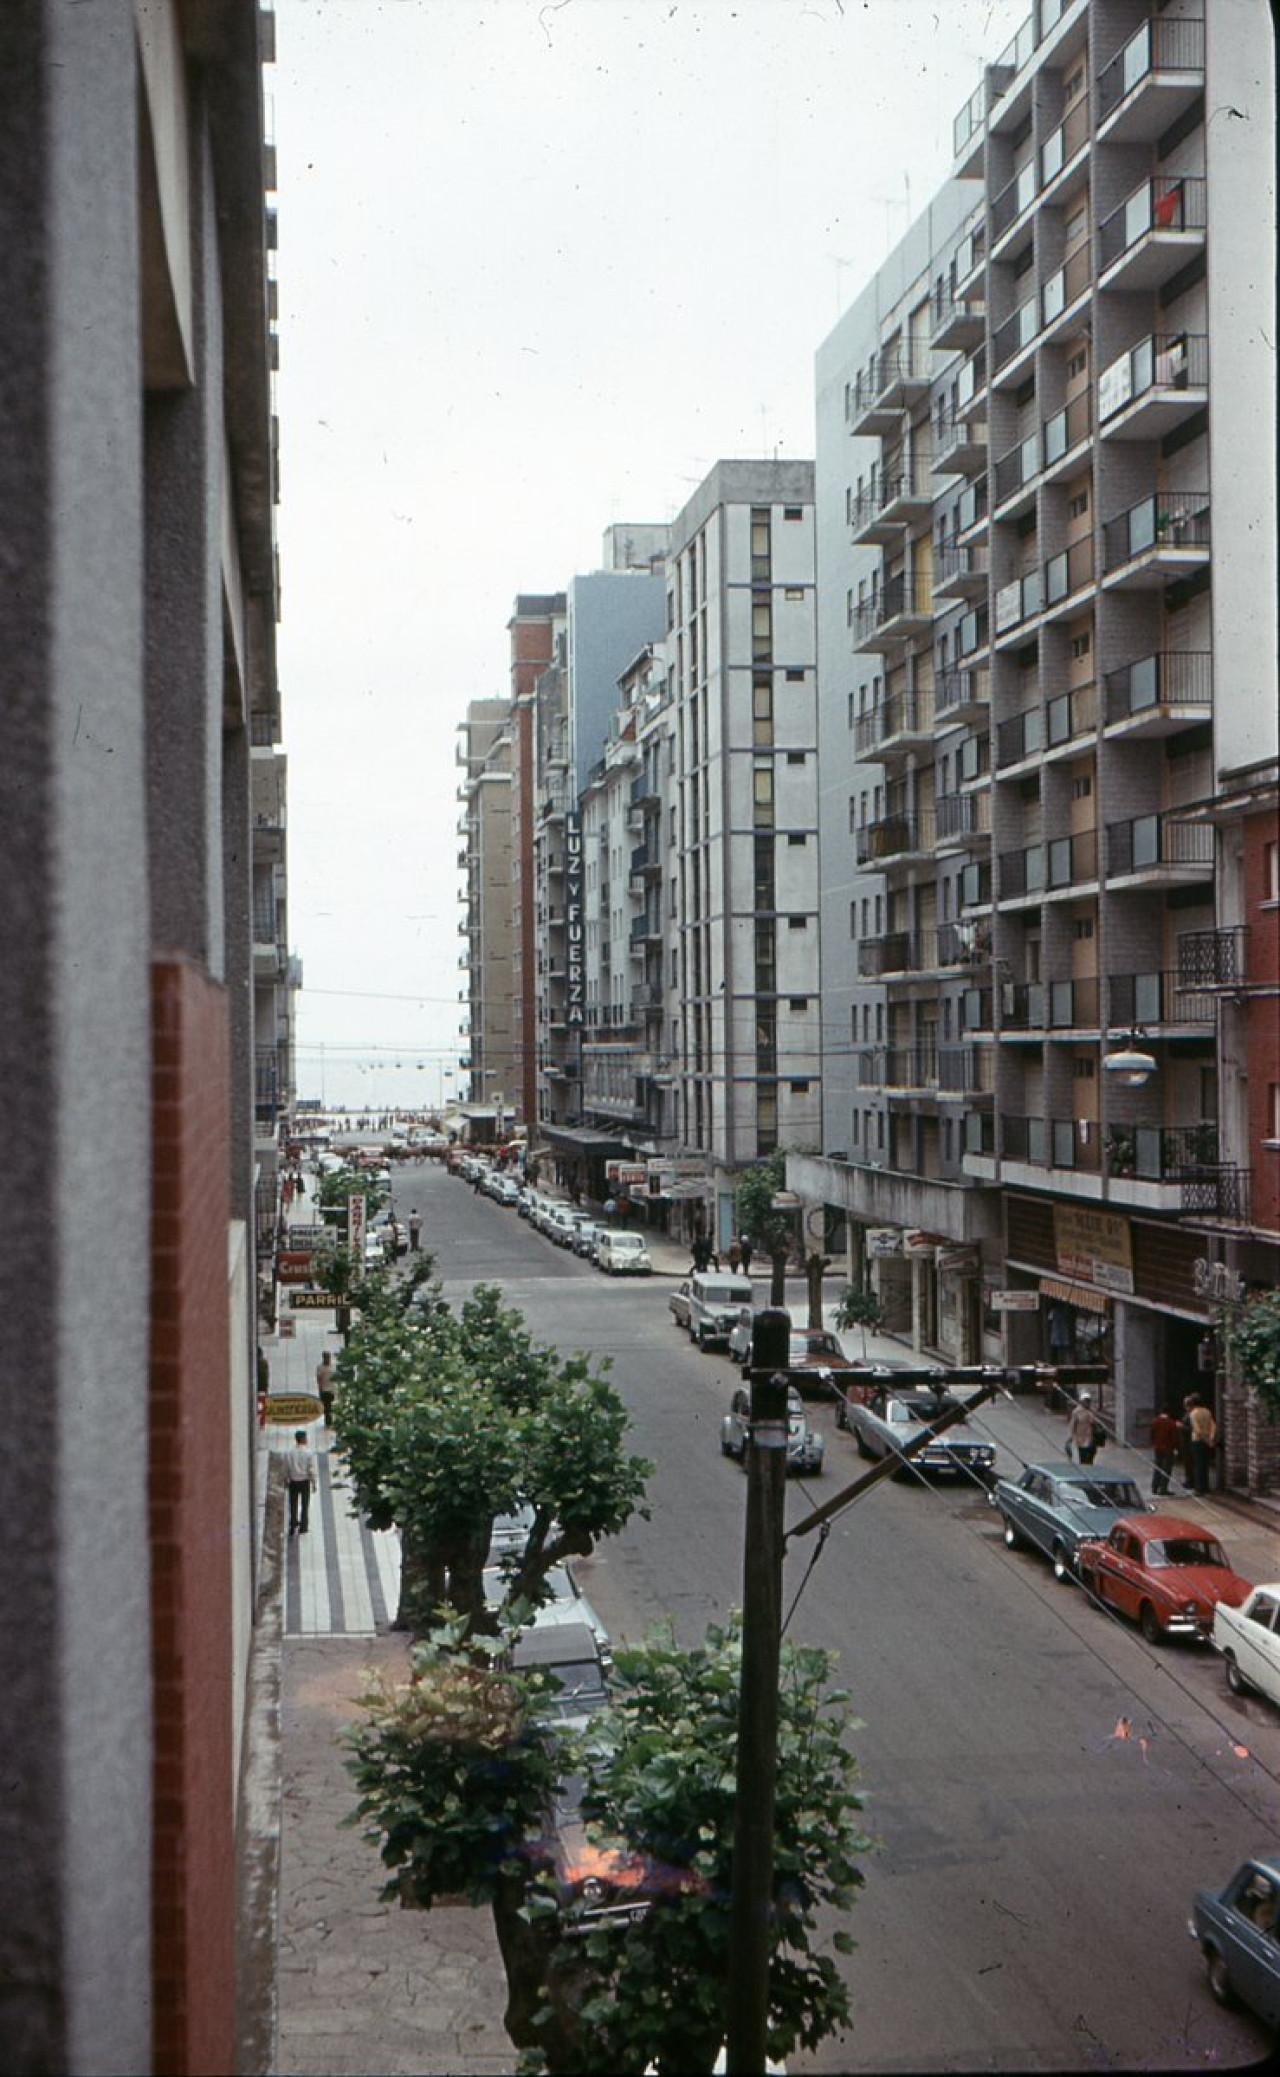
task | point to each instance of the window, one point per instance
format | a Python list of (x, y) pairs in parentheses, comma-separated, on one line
[(1080, 646), (762, 793), (762, 711), (799, 1088), (1271, 872), (796, 838), (1273, 1111), (1078, 505), (795, 677), (1082, 929), (1081, 788), (793, 512), (1077, 363), (1083, 1068), (795, 757), (761, 633), (794, 593), (798, 1002), (797, 923)]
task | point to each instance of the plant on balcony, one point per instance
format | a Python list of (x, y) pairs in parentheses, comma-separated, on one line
[(1251, 1333), (1121, 1152)]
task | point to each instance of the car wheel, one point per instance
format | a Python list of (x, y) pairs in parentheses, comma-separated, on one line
[(1061, 1563), (701, 1340), (1012, 1539), (860, 1443), (1149, 1622), (1235, 1678), (842, 1414), (1219, 1978)]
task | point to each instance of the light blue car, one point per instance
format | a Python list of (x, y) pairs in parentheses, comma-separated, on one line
[(1236, 1928), (1054, 1508)]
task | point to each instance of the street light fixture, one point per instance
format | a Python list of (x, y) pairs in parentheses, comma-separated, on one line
[(1131, 1065)]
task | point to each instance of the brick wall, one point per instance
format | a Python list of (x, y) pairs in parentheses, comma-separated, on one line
[(190, 1505)]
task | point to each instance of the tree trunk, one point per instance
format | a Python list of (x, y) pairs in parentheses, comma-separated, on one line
[(542, 1975), (814, 1269), (422, 1585)]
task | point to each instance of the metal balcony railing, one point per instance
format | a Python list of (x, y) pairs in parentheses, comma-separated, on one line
[(1012, 199), (1221, 1194), (1178, 678), (1053, 1142), (964, 944), (959, 689), (1069, 572), (895, 836), (1173, 519), (898, 598), (1160, 1153), (1156, 998), (961, 815), (1043, 868), (1148, 842), (898, 952), (898, 1067), (1163, 44), (1213, 958), (901, 714), (971, 1070), (1170, 202)]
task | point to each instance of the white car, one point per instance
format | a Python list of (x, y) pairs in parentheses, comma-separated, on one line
[(568, 1603), (1249, 1640), (624, 1254)]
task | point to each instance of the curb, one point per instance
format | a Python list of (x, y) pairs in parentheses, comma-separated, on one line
[(260, 1811)]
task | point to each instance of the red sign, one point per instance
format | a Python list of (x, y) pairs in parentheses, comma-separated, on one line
[(293, 1267)]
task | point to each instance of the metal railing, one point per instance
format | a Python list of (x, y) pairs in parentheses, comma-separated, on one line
[(898, 1067), (894, 837), (1160, 45), (1043, 868), (1156, 998), (963, 815), (897, 952), (1178, 678), (1149, 841), (897, 598), (901, 714), (1053, 1142), (1170, 519), (1221, 1194), (1213, 958), (952, 563), (1163, 361), (1169, 202), (970, 1069), (955, 688)]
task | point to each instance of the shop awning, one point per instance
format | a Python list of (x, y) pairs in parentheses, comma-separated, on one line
[(1082, 1296), (582, 1140)]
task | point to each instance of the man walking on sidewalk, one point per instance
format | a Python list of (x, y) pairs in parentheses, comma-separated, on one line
[(300, 1470)]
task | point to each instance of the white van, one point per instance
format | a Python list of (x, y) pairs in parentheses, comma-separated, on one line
[(624, 1254)]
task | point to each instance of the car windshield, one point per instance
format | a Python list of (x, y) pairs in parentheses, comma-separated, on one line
[(1185, 1550), (1118, 1493)]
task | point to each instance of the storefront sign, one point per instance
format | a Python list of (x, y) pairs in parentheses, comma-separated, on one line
[(294, 1267), (291, 1409), (627, 1175), (1215, 1280), (312, 1301), (1093, 1246), (1014, 1301), (958, 1261), (884, 1240), (574, 934), (356, 1227), (308, 1236)]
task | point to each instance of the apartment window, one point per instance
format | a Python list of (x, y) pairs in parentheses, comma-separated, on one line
[(1073, 86), (1077, 228), (1080, 646), (1271, 872), (761, 632), (794, 593), (762, 711), (1077, 363), (798, 1002), (1081, 788), (854, 1122), (1078, 505), (766, 1119), (796, 839), (762, 793), (852, 712), (799, 1088), (792, 512), (760, 555), (797, 923), (853, 812), (1082, 929), (853, 924), (795, 677), (1273, 1111), (1083, 1068)]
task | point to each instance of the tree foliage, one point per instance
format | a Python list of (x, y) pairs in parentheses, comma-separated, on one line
[(337, 1185), (1251, 1332), (453, 1791), (770, 1230)]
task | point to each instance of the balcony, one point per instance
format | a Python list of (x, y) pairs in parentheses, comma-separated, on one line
[(646, 930), (961, 696), (956, 324), (644, 797), (959, 446), (869, 525), (960, 573), (1064, 434), (904, 1070), (1153, 234), (901, 952), (1012, 202), (1065, 1143), (907, 493), (1018, 602), (969, 285), (966, 1071), (1157, 1001), (903, 607), (1158, 695), (1156, 542), (1160, 1153), (646, 863), (902, 839), (1159, 851), (1067, 575), (883, 391), (1062, 149), (1217, 1196), (1159, 384), (1016, 469), (971, 511), (902, 722), (1211, 959), (1061, 865), (972, 636), (1066, 290), (963, 819), (1152, 81)]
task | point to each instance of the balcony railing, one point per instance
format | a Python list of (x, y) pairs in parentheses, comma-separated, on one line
[(1021, 600), (1213, 958), (963, 815), (1160, 1153), (1044, 868), (889, 380), (1015, 333), (1161, 45), (959, 694), (1169, 523), (964, 944), (900, 599), (1050, 1005), (898, 1067), (972, 634), (1061, 146), (1053, 1142), (1150, 842), (1220, 1194), (1156, 998), (1164, 364), (972, 507), (901, 715), (959, 446), (1021, 464), (1065, 430), (962, 571), (1066, 286), (896, 836), (1069, 572), (1018, 195), (1177, 679), (968, 1070), (898, 952), (1170, 202)]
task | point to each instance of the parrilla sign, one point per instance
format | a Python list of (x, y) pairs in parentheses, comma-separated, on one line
[(576, 986)]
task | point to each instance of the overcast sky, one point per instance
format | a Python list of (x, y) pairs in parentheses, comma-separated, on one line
[(541, 265)]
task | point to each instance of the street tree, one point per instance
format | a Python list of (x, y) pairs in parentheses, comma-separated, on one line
[(769, 1229), (859, 1309), (449, 1791), (1251, 1334)]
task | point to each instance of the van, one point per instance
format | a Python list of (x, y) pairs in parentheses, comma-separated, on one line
[(715, 1303), (624, 1254)]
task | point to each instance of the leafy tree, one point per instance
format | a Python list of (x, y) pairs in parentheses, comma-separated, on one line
[(1251, 1332), (769, 1230), (452, 1791), (337, 1185), (859, 1309)]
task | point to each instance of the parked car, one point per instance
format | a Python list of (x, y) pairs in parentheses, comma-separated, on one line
[(816, 1364), (624, 1254), (1057, 1507), (805, 1448), (603, 1885), (1236, 1931), (1248, 1637), (569, 1652), (567, 1603), (504, 1189), (1166, 1574), (708, 1305), (888, 1422), (584, 1239)]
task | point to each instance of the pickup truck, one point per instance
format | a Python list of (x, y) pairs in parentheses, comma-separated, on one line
[(890, 1421)]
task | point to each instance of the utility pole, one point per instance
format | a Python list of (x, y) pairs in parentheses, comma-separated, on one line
[(751, 1902)]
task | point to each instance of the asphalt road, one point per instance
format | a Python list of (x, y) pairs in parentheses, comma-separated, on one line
[(1047, 1789)]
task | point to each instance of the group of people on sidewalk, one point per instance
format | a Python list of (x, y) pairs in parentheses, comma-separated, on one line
[(1196, 1434)]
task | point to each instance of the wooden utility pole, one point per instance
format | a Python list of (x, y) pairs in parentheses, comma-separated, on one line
[(751, 1903)]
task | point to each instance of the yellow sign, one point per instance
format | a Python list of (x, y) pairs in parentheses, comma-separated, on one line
[(1094, 1246), (292, 1409)]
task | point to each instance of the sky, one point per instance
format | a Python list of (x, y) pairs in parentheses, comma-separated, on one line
[(541, 264)]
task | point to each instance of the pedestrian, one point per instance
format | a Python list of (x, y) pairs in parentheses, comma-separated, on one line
[(1184, 1438), (735, 1256), (1203, 1430), (747, 1249), (1082, 1429), (300, 1470), (324, 1386), (1164, 1449), (415, 1230)]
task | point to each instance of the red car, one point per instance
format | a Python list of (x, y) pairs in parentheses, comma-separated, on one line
[(1166, 1574)]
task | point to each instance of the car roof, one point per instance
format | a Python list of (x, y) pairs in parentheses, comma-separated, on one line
[(559, 1644), (1168, 1526), (1081, 1474)]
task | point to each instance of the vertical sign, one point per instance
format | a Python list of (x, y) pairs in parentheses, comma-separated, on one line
[(573, 919), (355, 1230)]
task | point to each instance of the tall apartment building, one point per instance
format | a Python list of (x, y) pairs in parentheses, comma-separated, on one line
[(536, 621), (492, 1027), (1046, 504), (143, 821), (735, 825)]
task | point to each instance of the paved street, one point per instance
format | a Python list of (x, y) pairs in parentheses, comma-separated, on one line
[(1048, 1789)]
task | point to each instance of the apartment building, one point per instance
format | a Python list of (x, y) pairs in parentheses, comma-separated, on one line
[(491, 1030), (1046, 505), (141, 937), (731, 853), (536, 622)]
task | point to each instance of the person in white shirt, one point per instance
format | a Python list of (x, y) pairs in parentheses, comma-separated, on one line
[(300, 1470)]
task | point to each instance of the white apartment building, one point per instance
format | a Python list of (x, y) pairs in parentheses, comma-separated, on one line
[(1046, 553)]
